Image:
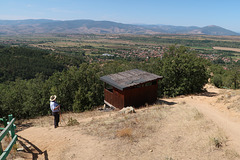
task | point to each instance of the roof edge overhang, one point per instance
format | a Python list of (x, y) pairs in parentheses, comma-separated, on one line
[(109, 81)]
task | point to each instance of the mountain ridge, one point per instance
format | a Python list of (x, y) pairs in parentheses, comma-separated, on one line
[(86, 26)]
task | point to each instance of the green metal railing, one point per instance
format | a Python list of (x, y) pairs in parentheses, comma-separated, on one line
[(8, 127)]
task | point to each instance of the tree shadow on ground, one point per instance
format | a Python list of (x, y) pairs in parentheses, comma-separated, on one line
[(21, 127), (32, 149), (161, 102), (208, 94)]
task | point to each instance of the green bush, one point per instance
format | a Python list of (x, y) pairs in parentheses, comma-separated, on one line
[(217, 81), (79, 88), (183, 72), (225, 78), (72, 122)]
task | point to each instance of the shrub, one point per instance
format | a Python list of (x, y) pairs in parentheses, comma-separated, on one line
[(125, 132), (217, 81), (72, 122)]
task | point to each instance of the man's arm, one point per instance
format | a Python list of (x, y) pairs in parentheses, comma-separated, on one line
[(56, 107)]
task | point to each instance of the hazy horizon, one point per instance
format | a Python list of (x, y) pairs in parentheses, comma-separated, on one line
[(221, 13)]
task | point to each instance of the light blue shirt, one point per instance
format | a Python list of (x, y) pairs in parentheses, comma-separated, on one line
[(53, 105)]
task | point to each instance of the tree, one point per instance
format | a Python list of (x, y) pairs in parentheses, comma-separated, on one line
[(228, 77), (183, 72), (234, 77), (218, 80)]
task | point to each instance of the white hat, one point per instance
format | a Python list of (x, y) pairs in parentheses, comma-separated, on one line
[(53, 98)]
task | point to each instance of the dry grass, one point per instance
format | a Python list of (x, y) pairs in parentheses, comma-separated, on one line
[(177, 132), (198, 115), (170, 132), (232, 154), (231, 98), (5, 142), (125, 132), (137, 126), (46, 121), (72, 122), (218, 140)]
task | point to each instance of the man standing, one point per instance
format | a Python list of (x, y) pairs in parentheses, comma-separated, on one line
[(55, 110)]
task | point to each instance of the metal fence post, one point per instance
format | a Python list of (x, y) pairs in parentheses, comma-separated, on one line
[(10, 117), (9, 128), (1, 149), (4, 122)]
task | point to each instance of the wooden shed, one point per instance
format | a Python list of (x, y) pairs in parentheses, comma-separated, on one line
[(130, 88)]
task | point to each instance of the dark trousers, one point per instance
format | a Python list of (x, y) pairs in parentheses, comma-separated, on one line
[(56, 119)]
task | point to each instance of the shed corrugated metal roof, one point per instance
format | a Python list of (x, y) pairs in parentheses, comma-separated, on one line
[(129, 78)]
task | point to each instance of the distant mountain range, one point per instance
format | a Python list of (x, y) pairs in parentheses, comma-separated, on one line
[(36, 26)]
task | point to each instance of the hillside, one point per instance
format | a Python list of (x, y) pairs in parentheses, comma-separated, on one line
[(216, 30), (204, 126), (25, 63), (11, 27)]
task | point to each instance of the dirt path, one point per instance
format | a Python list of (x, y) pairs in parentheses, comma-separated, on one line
[(62, 143), (222, 119), (226, 119), (45, 142)]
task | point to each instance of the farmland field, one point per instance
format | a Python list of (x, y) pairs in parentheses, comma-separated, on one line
[(227, 49), (140, 47)]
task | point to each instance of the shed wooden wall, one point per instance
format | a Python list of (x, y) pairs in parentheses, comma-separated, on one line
[(140, 96), (133, 96)]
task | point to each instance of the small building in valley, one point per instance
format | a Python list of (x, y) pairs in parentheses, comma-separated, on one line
[(130, 88)]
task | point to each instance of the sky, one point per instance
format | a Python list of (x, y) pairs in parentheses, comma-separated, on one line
[(223, 13)]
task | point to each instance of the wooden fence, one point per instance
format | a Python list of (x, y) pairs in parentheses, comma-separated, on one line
[(8, 127)]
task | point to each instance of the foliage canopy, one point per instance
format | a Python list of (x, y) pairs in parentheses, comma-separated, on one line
[(79, 88)]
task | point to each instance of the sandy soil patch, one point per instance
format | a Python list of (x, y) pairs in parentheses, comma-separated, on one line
[(187, 127)]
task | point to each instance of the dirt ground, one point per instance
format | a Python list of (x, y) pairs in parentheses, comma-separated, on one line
[(204, 126)]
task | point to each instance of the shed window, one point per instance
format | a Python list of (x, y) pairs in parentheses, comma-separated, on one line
[(137, 86), (148, 84), (154, 82), (151, 83), (109, 87)]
